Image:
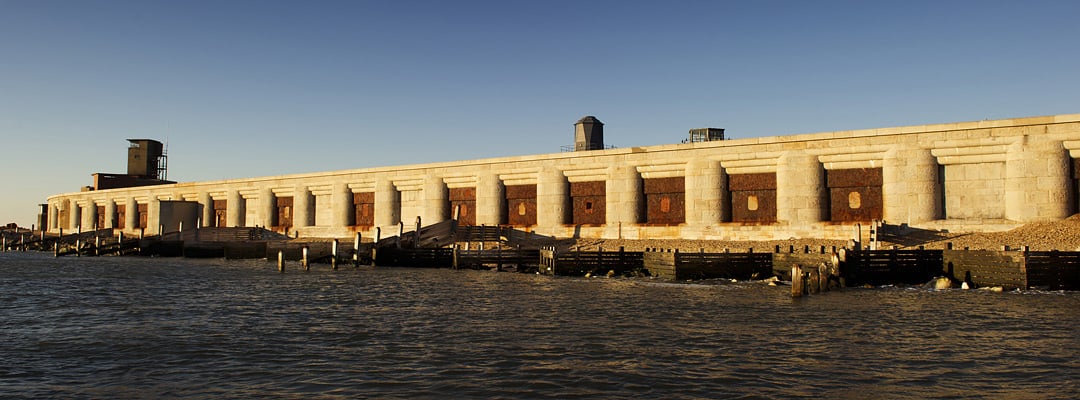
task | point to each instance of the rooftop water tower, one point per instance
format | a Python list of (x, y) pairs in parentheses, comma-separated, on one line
[(146, 159), (588, 134)]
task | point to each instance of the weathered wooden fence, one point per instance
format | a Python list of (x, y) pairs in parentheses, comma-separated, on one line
[(1055, 270), (879, 267), (579, 263), (522, 259), (682, 266), (428, 258)]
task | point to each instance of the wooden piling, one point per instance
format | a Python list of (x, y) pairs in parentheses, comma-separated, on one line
[(356, 251), (281, 261), (401, 232), (797, 282), (375, 247), (823, 277), (334, 254), (304, 258), (454, 257), (416, 233), (812, 281), (97, 245)]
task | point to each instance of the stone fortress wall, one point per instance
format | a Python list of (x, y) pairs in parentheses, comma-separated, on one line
[(974, 176)]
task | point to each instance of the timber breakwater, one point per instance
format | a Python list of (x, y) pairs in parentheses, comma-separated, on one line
[(811, 269)]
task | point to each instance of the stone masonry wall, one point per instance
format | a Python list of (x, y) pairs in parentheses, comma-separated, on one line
[(978, 175)]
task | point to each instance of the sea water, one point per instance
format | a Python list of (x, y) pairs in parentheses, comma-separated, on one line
[(113, 327)]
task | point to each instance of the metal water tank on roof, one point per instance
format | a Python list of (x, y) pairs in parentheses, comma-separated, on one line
[(588, 134), (143, 158)]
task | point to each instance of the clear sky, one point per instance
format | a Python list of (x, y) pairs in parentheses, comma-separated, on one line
[(257, 88)]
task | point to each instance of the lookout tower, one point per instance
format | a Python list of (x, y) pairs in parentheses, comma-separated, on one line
[(588, 134), (706, 135), (146, 159)]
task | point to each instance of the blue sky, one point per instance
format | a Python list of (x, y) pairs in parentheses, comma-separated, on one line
[(257, 88)]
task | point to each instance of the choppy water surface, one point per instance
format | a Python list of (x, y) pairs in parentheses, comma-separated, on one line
[(165, 328)]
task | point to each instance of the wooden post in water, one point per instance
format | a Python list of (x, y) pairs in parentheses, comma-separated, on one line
[(454, 256), (280, 261), (797, 283), (375, 246), (333, 254), (78, 241), (356, 251), (5, 244), (304, 258), (416, 233), (401, 232), (97, 245), (823, 277)]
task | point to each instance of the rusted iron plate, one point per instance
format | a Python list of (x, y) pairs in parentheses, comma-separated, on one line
[(364, 209), (665, 208), (121, 215), (521, 212), (745, 182), (856, 204), (521, 192), (665, 185), (857, 177), (463, 194), (753, 205), (364, 197), (589, 210), (466, 211), (597, 188)]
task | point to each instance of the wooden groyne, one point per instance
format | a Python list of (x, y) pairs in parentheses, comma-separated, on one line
[(1007, 268), (676, 265), (523, 260), (881, 267), (582, 263)]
